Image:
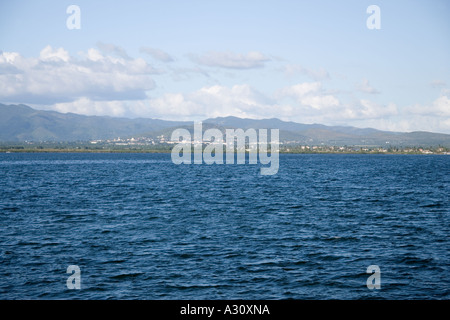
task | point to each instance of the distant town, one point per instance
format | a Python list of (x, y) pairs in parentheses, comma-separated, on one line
[(163, 143)]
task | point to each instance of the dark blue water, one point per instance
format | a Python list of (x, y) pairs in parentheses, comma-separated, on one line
[(140, 227)]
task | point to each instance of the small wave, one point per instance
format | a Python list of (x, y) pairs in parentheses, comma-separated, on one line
[(432, 205), (127, 275), (12, 209), (114, 261), (417, 261), (183, 255)]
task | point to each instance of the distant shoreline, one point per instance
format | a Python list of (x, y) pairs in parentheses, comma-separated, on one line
[(163, 151), (80, 151)]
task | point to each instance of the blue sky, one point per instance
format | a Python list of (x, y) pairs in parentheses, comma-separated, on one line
[(305, 61)]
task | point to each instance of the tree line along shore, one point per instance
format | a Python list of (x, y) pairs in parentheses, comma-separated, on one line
[(284, 149)]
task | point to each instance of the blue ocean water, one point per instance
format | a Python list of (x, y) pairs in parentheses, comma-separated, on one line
[(140, 227)]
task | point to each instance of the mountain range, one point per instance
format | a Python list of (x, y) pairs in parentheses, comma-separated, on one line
[(20, 123)]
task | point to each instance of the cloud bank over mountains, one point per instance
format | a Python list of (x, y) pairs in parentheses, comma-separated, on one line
[(106, 80)]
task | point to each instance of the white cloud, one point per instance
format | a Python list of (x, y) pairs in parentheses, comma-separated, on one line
[(298, 91), (213, 101), (405, 123), (309, 94), (106, 82), (366, 109), (365, 87), (311, 106), (157, 54), (48, 54), (94, 55), (435, 117), (90, 107), (320, 102), (57, 77), (440, 107), (232, 60)]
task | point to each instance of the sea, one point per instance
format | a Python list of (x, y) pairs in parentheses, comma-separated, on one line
[(137, 226)]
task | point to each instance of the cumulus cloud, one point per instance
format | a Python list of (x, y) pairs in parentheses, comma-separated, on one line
[(433, 117), (48, 54), (366, 109), (210, 101), (103, 81), (157, 54), (298, 91), (231, 60), (440, 107), (55, 77), (307, 103), (365, 87), (86, 106), (215, 101), (406, 123), (309, 94), (311, 103)]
